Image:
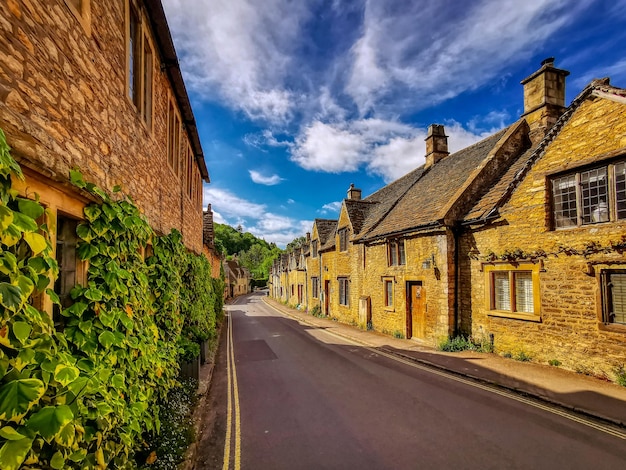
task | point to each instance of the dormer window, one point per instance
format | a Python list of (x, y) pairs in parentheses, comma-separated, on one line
[(589, 196)]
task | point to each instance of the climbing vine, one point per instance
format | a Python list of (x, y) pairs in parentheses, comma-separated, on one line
[(88, 396)]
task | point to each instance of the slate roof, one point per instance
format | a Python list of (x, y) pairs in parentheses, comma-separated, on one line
[(357, 212), (326, 230), (432, 189)]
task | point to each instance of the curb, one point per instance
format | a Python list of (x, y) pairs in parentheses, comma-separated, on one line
[(520, 391)]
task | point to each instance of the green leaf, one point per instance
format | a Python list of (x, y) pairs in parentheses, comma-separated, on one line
[(108, 319), (36, 242), (93, 294), (10, 296), (50, 420), (65, 374), (106, 339), (26, 285), (84, 232), (21, 330), (103, 408), (118, 381), (85, 326), (13, 453), (78, 456), (24, 358), (10, 434), (24, 223), (53, 296), (92, 212), (78, 385), (66, 436), (11, 235), (57, 461), (6, 217), (87, 251), (19, 396), (76, 177), (30, 208), (38, 264)]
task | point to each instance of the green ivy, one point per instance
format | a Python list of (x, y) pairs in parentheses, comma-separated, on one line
[(87, 397)]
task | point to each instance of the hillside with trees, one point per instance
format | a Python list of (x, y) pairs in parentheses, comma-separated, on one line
[(253, 253)]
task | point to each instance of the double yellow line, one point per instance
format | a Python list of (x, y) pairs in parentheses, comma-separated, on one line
[(233, 396)]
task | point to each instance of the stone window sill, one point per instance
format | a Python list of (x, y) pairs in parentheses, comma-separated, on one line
[(612, 327), (515, 316)]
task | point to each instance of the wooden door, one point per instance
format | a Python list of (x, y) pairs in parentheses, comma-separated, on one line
[(416, 310), (300, 293)]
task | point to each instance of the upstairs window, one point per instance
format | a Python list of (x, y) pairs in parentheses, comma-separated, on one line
[(589, 196), (173, 139), (343, 239), (140, 64), (395, 253), (613, 285), (315, 287), (314, 248)]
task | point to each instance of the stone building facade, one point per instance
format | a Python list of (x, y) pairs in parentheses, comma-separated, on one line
[(95, 86), (208, 238), (517, 240)]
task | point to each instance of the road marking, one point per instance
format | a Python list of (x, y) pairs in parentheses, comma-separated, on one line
[(233, 396), (607, 429)]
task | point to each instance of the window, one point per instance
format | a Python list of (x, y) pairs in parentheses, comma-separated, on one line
[(396, 255), (388, 286), (513, 290), (613, 285), (173, 138), (314, 248), (343, 239), (140, 65), (590, 196), (315, 287), (190, 166), (344, 290), (68, 261)]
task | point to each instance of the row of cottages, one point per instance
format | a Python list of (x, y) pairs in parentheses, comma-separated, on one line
[(237, 279), (97, 86), (517, 240)]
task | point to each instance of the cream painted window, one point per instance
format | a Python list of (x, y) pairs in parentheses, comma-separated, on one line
[(589, 196), (513, 290)]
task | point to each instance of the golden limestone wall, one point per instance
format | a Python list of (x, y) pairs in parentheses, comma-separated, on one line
[(63, 104), (435, 321), (569, 328)]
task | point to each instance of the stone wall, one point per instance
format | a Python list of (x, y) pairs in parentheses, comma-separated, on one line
[(569, 330), (63, 105)]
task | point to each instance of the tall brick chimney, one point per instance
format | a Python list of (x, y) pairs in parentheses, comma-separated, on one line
[(544, 98), (354, 193), (436, 145)]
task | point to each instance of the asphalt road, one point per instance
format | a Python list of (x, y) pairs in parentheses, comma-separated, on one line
[(289, 396)]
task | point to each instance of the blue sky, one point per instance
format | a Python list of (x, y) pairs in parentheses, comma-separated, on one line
[(296, 99)]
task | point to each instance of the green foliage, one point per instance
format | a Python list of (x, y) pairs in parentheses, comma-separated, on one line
[(522, 356), (465, 343), (398, 334), (554, 362), (88, 396), (620, 375), (295, 244)]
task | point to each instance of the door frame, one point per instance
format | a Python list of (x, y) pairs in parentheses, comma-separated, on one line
[(409, 306), (326, 296)]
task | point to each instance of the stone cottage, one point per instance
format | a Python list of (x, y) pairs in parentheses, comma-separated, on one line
[(96, 86)]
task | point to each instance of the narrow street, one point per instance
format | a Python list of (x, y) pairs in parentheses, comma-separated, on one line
[(301, 398)]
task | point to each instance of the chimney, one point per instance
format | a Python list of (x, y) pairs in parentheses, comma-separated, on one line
[(544, 98), (354, 193), (436, 145), (308, 237)]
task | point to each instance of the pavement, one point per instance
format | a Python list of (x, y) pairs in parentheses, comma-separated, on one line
[(584, 394)]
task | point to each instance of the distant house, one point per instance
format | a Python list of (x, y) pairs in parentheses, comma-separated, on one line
[(237, 279), (96, 86), (517, 239)]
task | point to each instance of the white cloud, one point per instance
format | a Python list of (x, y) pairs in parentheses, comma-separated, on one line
[(615, 71), (457, 50), (260, 178), (229, 205), (239, 51), (290, 201), (334, 206)]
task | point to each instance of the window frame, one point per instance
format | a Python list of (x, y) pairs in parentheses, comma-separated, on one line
[(314, 249), (315, 287), (396, 253), (512, 269), (388, 297), (343, 239), (344, 290), (614, 196), (605, 298), (140, 63), (174, 133)]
